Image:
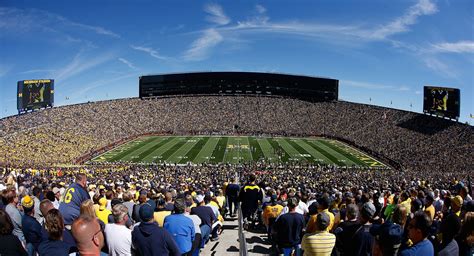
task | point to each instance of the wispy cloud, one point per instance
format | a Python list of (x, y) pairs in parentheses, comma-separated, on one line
[(152, 52), (32, 71), (201, 47), (26, 20), (435, 64), (348, 32), (79, 64), (216, 14), (402, 24), (457, 47), (260, 9), (128, 63), (102, 82), (4, 70)]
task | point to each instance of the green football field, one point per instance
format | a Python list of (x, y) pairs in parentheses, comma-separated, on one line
[(233, 149)]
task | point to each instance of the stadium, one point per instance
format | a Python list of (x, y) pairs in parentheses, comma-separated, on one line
[(197, 131)]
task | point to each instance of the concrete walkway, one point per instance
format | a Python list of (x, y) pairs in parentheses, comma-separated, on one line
[(228, 243)]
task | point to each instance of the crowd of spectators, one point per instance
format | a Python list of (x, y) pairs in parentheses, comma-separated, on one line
[(62, 135), (119, 208)]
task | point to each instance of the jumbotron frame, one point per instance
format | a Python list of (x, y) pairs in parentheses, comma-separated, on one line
[(307, 88)]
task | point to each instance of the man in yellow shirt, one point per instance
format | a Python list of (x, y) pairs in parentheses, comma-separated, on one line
[(323, 205), (320, 242), (270, 213)]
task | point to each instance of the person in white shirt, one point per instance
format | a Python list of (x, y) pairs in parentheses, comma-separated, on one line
[(118, 236)]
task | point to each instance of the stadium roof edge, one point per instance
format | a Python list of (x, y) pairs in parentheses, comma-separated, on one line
[(253, 72)]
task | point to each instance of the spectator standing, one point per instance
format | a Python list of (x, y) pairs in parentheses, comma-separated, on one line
[(73, 198), (197, 222), (321, 242), (117, 235), (232, 194), (103, 213), (250, 196), (207, 217), (289, 229), (180, 227), (150, 239), (418, 229)]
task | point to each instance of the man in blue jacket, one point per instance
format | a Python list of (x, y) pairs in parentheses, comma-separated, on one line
[(150, 239), (180, 227), (30, 226), (73, 198)]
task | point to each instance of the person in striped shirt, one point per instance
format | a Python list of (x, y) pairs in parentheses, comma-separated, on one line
[(320, 242)]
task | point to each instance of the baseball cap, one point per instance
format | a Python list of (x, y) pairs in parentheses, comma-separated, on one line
[(368, 209), (322, 221), (102, 203), (457, 200), (199, 198), (27, 202), (146, 212), (388, 234), (56, 190)]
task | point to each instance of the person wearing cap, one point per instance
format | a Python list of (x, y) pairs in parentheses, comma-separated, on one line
[(30, 226), (456, 205), (180, 227), (207, 217), (320, 242), (388, 238), (103, 213), (323, 206), (150, 239), (270, 213), (57, 197), (118, 236), (418, 230), (73, 198), (288, 229), (450, 227), (363, 239)]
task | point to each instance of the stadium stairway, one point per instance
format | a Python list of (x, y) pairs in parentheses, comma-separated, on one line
[(228, 243)]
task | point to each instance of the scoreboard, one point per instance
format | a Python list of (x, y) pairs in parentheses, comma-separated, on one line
[(34, 94), (442, 101)]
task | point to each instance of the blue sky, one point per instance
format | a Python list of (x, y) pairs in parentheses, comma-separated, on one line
[(383, 52)]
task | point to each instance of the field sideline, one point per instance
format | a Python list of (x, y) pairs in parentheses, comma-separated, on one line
[(233, 149)]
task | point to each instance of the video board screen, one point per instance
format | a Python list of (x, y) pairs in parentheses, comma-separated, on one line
[(34, 94), (441, 101)]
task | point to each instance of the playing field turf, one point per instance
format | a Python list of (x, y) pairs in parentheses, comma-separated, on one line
[(232, 149)]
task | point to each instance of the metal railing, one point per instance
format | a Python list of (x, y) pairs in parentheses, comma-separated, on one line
[(243, 248)]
